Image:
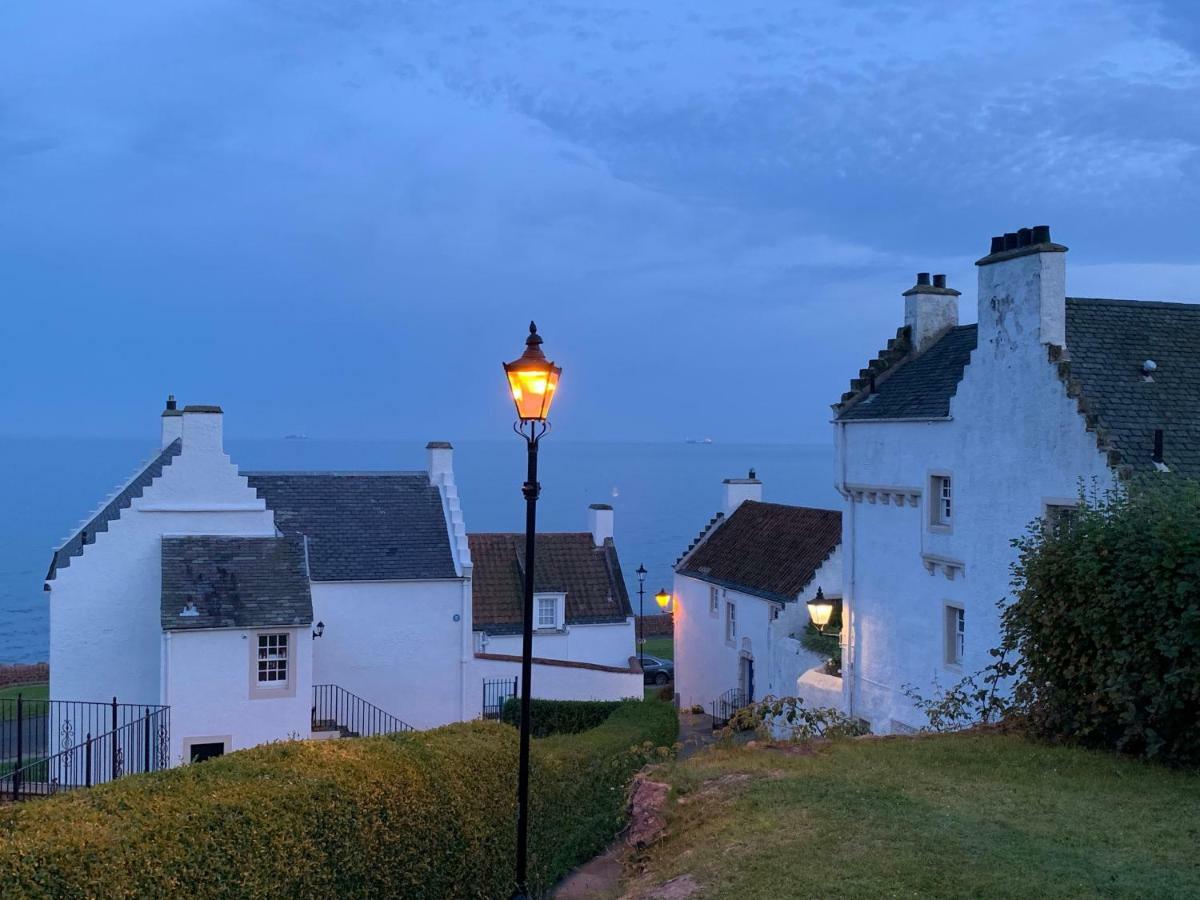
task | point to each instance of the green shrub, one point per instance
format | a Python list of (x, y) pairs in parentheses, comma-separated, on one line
[(1106, 622), (421, 815), (547, 717)]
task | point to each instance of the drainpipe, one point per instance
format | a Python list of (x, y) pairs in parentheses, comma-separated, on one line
[(850, 646)]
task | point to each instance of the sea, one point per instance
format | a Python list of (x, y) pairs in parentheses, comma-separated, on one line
[(662, 495)]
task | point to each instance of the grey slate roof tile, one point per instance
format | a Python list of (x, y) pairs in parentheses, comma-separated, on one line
[(112, 510), (1106, 344), (567, 562), (362, 526), (234, 582), (768, 550)]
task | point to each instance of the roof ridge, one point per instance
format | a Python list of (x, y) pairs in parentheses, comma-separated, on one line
[(334, 472), (1151, 304)]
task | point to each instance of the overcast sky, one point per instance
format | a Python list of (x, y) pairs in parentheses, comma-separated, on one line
[(337, 216)]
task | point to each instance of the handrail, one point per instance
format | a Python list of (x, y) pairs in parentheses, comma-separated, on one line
[(141, 744), (335, 708), (724, 706)]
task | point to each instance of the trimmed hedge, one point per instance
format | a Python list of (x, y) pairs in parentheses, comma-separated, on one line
[(547, 717), (427, 814)]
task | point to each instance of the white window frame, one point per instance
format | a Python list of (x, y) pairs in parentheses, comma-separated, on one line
[(279, 687), (942, 501), (1051, 505), (539, 604), (954, 635), (714, 600), (730, 622)]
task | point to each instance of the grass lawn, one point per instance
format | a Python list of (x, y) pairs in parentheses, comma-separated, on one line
[(662, 647), (938, 816), (27, 691)]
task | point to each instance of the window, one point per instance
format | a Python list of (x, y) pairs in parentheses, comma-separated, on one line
[(956, 630), (210, 750), (714, 600), (1061, 516), (941, 501), (272, 660), (730, 622), (776, 611), (547, 613)]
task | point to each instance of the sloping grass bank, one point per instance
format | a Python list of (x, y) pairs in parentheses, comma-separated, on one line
[(428, 814), (965, 815)]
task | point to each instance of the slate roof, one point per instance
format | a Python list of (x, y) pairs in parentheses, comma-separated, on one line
[(362, 526), (767, 550), (566, 562), (111, 511), (1106, 343), (234, 582)]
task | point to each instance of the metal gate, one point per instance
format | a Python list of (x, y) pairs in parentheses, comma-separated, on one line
[(496, 691)]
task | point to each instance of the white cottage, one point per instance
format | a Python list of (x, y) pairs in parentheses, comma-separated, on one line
[(957, 436), (268, 605), (740, 595)]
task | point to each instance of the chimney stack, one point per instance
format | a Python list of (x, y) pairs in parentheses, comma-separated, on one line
[(440, 461), (172, 422), (1022, 292), (739, 490), (202, 428), (930, 310), (600, 522)]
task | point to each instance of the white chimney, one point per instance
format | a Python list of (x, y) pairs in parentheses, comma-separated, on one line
[(202, 427), (1022, 292), (440, 455), (172, 422), (600, 522), (930, 310), (739, 490)]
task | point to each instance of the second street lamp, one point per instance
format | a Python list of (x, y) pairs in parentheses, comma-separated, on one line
[(533, 381), (641, 634)]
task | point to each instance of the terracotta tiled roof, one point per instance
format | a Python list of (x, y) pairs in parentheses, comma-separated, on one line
[(766, 549), (568, 562)]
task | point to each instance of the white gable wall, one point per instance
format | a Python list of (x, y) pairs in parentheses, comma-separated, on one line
[(105, 626), (608, 645), (1014, 442)]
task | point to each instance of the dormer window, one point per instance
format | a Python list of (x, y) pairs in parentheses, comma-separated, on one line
[(548, 612), (941, 501)]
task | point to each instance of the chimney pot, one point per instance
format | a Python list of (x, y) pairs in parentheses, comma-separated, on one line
[(1010, 240), (922, 278), (1024, 237), (997, 244), (171, 401), (1041, 234), (939, 281)]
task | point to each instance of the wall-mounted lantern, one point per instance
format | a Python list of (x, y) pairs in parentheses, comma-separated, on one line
[(319, 630), (663, 599), (820, 610)]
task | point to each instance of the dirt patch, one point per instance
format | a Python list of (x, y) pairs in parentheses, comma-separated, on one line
[(680, 888)]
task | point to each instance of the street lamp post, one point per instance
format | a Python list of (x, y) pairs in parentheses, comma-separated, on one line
[(641, 574), (532, 381)]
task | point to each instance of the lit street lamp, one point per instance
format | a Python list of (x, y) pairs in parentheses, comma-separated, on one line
[(532, 380), (820, 610), (641, 634), (663, 599)]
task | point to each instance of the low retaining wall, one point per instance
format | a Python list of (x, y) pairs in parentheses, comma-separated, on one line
[(558, 679), (24, 673)]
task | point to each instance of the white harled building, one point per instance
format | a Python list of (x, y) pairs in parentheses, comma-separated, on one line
[(262, 606)]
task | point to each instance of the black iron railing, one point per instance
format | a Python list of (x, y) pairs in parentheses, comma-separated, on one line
[(58, 757), (336, 709), (496, 692), (726, 705)]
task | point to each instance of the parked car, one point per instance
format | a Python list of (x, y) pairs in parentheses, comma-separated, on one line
[(658, 671)]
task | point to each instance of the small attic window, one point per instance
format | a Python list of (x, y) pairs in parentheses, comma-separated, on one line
[(189, 608), (1149, 367)]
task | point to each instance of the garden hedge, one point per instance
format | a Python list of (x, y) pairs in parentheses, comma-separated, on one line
[(422, 815), (547, 717)]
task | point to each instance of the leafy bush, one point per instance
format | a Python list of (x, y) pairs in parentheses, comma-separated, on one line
[(421, 815), (975, 700), (547, 717), (787, 718), (1106, 622)]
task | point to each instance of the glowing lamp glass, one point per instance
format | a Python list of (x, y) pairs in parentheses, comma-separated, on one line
[(532, 380), (820, 611), (663, 599)]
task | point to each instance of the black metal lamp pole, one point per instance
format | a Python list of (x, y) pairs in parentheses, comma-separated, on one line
[(641, 636), (532, 380)]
